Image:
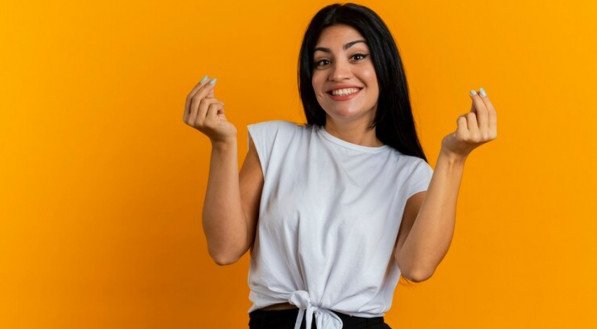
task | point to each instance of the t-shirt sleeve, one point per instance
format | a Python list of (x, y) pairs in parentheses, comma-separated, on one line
[(264, 135), (420, 178)]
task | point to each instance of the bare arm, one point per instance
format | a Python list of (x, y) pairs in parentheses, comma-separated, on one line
[(429, 217), (428, 222), (232, 200), (231, 203)]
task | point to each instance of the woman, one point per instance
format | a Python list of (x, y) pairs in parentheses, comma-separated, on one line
[(335, 211)]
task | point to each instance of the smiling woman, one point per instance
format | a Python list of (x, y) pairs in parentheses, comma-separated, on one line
[(344, 80), (334, 211)]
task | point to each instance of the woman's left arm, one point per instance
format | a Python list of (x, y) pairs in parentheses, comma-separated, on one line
[(433, 213)]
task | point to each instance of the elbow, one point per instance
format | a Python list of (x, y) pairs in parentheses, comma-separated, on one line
[(224, 258), (225, 261), (417, 275), (226, 252)]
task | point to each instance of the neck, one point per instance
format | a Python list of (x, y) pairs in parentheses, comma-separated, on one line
[(353, 132)]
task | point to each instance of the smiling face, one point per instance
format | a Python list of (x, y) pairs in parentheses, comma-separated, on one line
[(344, 79)]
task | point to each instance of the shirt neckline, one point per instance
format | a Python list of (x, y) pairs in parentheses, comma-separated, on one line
[(341, 142)]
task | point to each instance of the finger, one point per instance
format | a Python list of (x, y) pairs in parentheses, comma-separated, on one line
[(211, 92), (462, 131), (482, 116), (201, 83), (212, 108), (472, 93), (477, 101), (203, 107), (473, 126), (191, 94), (195, 109), (213, 111), (205, 90), (196, 100), (191, 101), (492, 116)]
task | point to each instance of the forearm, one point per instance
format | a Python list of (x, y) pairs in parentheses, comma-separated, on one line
[(224, 223), (432, 231)]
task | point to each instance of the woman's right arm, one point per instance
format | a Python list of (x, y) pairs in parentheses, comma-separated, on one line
[(231, 204)]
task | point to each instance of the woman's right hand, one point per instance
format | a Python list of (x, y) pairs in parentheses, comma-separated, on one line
[(206, 113)]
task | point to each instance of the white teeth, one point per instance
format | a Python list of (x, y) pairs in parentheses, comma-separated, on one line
[(343, 92)]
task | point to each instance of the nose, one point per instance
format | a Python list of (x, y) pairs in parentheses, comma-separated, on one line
[(340, 71)]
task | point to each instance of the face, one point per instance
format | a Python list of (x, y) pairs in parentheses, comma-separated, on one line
[(344, 78)]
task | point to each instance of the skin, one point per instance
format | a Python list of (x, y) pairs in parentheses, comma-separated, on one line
[(232, 199), (342, 57)]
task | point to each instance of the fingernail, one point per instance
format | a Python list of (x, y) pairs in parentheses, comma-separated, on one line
[(213, 81), (473, 92), (482, 92), (204, 79)]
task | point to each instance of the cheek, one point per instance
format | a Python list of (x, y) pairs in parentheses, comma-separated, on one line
[(373, 87), (317, 84), (370, 75), (372, 81)]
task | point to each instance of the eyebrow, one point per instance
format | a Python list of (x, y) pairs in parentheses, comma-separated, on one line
[(346, 46)]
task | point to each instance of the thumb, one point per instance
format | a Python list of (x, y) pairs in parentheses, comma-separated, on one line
[(211, 92)]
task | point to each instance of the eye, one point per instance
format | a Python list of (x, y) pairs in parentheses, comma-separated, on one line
[(359, 57), (321, 62)]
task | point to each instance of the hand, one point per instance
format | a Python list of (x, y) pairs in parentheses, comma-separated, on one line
[(206, 113), (477, 127)]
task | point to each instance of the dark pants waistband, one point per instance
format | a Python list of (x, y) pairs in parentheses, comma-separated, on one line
[(285, 319)]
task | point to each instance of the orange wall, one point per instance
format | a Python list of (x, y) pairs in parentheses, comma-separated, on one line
[(101, 183)]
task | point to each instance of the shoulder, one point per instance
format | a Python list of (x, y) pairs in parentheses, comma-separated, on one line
[(411, 168), (276, 125), (419, 170), (409, 161), (419, 166), (416, 161), (279, 130)]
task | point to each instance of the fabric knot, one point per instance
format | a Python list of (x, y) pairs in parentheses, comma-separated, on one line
[(324, 318), (300, 299)]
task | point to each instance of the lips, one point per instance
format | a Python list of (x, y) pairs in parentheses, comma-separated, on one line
[(341, 87), (343, 92), (344, 97)]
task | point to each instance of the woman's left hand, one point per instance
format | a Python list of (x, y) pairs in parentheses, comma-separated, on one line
[(477, 127)]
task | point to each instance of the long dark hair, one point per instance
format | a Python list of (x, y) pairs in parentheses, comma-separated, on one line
[(394, 123)]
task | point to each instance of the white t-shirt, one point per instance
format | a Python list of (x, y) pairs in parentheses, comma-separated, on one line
[(329, 216)]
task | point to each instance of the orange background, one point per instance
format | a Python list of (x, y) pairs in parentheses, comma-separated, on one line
[(102, 184)]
